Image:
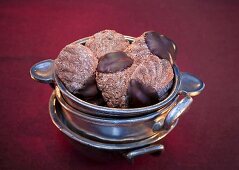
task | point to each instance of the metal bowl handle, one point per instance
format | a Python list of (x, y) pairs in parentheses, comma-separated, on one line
[(145, 150), (177, 111), (190, 86), (43, 72)]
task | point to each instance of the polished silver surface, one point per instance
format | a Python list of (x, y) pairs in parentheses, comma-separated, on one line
[(177, 111), (191, 84), (158, 126), (145, 150), (43, 71), (60, 122), (113, 129)]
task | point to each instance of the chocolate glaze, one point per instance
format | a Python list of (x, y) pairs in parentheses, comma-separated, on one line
[(113, 62), (141, 95), (89, 90), (160, 45)]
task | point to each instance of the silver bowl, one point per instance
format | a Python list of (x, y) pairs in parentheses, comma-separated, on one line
[(115, 128)]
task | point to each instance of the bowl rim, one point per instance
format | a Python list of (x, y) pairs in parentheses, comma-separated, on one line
[(108, 120), (122, 111)]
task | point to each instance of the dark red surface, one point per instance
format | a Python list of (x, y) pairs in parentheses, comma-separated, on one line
[(206, 32)]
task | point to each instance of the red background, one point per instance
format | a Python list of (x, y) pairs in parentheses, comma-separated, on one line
[(206, 33)]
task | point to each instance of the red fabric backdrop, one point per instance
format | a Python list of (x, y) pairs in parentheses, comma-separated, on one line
[(206, 33)]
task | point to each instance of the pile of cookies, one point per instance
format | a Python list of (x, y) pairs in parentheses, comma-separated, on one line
[(109, 71)]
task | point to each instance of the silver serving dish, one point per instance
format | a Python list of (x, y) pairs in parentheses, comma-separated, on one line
[(117, 129)]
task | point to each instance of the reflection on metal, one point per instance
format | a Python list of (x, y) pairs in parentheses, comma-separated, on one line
[(145, 150), (58, 119), (43, 71), (191, 84), (177, 111)]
